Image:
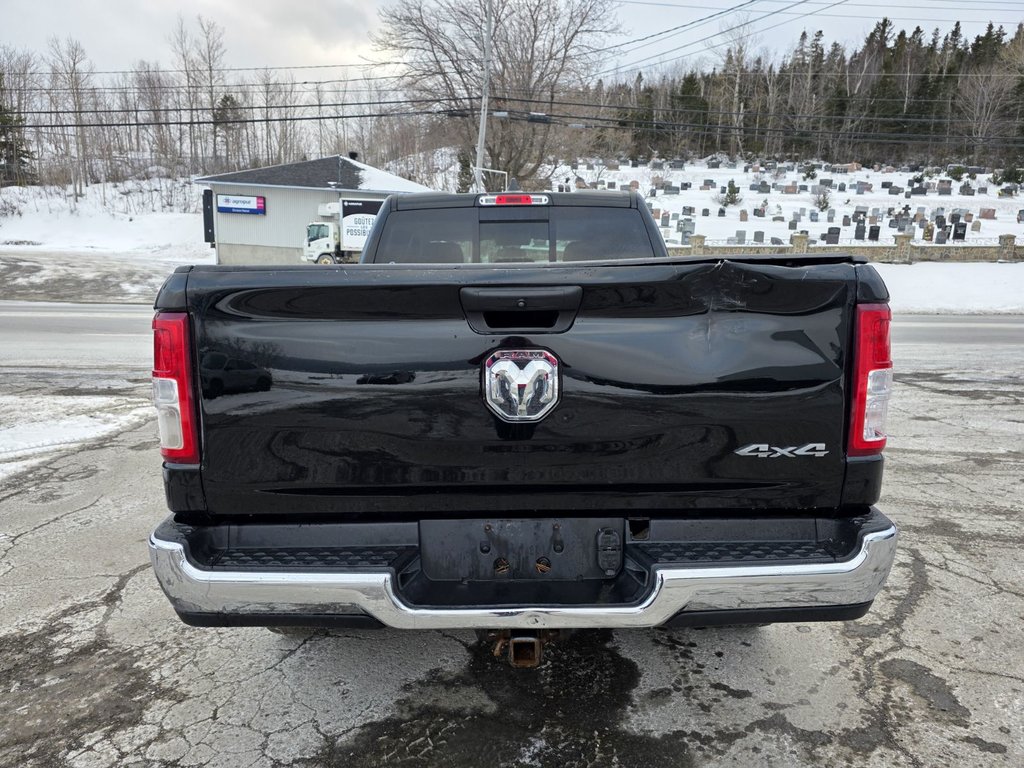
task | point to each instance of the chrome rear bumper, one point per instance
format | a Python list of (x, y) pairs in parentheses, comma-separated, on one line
[(741, 588)]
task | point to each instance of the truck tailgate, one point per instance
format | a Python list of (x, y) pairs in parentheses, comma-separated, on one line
[(356, 391)]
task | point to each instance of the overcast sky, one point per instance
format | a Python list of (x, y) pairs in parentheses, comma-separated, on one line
[(272, 33)]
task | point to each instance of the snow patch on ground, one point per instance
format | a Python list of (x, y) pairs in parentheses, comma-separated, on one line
[(35, 426)]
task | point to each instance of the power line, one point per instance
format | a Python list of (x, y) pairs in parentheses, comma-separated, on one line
[(284, 68), (582, 121), (244, 121), (855, 137), (724, 32), (865, 16), (981, 6), (164, 86), (241, 107), (675, 30), (752, 113)]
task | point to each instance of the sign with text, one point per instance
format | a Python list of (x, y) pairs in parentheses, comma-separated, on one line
[(242, 204), (357, 217)]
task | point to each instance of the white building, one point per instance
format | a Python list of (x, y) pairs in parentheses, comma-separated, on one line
[(259, 216)]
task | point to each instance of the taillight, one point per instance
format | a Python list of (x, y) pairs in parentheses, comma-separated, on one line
[(172, 391), (872, 379)]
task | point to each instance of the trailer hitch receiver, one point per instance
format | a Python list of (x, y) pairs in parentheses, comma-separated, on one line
[(522, 649)]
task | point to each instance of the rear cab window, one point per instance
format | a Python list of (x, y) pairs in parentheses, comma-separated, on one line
[(513, 235)]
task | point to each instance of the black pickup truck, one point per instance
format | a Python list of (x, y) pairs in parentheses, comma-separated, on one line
[(518, 414)]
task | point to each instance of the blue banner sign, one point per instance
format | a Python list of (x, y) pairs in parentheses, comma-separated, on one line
[(242, 204)]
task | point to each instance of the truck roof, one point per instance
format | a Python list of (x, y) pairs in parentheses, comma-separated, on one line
[(591, 198)]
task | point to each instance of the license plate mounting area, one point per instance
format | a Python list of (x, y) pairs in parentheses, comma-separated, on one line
[(553, 549)]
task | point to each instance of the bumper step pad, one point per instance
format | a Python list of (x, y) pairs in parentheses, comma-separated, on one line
[(310, 558)]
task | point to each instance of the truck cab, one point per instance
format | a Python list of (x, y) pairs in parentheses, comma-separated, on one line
[(323, 243)]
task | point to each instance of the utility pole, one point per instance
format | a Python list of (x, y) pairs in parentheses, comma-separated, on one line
[(478, 175)]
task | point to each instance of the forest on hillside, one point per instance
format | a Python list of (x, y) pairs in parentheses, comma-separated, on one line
[(902, 95)]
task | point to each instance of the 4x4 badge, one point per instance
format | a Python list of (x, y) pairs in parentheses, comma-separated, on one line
[(521, 384), (765, 451)]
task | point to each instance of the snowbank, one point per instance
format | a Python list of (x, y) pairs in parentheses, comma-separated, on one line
[(932, 288), (159, 218)]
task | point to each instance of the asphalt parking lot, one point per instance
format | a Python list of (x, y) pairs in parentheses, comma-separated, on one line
[(95, 669)]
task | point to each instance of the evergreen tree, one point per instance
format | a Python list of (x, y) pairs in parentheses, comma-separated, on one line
[(226, 117), (465, 180), (689, 115), (15, 155)]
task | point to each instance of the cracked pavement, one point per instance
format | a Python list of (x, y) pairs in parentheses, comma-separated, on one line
[(95, 669)]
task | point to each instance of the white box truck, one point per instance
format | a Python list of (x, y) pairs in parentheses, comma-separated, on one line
[(340, 241)]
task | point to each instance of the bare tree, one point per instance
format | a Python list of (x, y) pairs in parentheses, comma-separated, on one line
[(209, 55), (71, 76), (983, 97), (741, 40), (539, 49), (156, 106), (184, 55)]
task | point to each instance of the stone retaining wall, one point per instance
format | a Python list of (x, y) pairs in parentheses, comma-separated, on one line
[(902, 251)]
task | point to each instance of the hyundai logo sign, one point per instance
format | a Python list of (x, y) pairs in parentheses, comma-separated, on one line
[(521, 384)]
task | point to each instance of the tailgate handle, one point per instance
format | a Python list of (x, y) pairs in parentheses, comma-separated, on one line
[(537, 310)]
